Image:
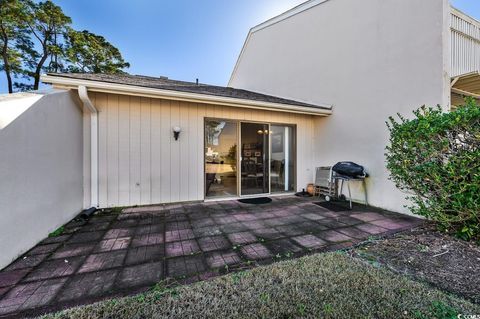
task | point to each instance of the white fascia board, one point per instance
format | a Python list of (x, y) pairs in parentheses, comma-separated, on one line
[(279, 18), (97, 86)]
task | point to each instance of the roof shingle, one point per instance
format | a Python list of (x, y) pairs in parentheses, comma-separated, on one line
[(183, 86)]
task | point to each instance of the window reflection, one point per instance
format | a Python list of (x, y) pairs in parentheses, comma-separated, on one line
[(220, 158)]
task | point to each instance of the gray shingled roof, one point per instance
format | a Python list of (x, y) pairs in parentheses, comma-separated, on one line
[(182, 86)]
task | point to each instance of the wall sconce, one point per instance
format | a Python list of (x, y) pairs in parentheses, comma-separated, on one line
[(176, 132)]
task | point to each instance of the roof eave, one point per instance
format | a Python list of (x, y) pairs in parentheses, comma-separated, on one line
[(125, 89)]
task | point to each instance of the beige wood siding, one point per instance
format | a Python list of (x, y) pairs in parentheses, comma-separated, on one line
[(140, 162)]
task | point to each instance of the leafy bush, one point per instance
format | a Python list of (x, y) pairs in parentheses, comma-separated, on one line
[(435, 157)]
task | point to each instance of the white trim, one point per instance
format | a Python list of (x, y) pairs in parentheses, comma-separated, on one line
[(98, 86), (83, 94), (221, 199), (279, 18), (288, 14)]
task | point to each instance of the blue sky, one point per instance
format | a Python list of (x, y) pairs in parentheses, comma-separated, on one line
[(182, 39)]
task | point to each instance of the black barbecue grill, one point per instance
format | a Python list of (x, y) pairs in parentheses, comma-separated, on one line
[(328, 178)]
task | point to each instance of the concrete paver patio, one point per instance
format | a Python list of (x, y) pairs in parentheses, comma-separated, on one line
[(115, 254)]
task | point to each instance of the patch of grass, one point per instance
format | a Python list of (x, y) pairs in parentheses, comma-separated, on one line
[(328, 285), (57, 232)]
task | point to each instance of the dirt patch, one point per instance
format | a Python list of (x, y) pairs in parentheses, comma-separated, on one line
[(428, 255)]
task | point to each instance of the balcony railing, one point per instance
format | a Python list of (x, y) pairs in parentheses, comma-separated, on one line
[(465, 47)]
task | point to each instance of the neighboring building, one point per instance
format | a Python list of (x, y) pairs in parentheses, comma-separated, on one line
[(121, 140), (370, 59)]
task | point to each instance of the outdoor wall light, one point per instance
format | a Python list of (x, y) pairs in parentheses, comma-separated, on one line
[(176, 132)]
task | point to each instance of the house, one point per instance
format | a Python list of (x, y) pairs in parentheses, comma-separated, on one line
[(369, 59), (311, 87)]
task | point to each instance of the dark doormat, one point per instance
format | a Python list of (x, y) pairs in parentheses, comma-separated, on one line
[(334, 207), (256, 201)]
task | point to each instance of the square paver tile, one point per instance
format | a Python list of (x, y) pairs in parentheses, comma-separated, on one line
[(283, 247), (367, 217), (88, 285), (72, 250), (207, 231), (268, 233), (181, 248), (224, 220), (26, 262), (256, 252), (290, 230), (264, 215), (125, 223), (177, 235), (234, 228), (119, 233), (213, 243), (203, 222), (140, 276), (95, 226), (310, 227), (9, 278), (274, 222), (221, 259), (177, 225), (56, 239), (30, 295), (331, 223), (371, 229), (309, 241), (148, 239), (103, 261), (313, 216), (149, 229), (55, 268), (391, 224), (334, 236), (245, 217), (112, 244), (350, 221), (145, 254), (43, 249), (354, 232), (242, 238), (185, 266), (85, 237), (252, 225)]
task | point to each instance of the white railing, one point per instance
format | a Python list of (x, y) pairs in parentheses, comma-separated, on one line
[(465, 57)]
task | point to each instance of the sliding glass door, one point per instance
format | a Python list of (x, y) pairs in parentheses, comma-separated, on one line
[(282, 163), (263, 162), (255, 157)]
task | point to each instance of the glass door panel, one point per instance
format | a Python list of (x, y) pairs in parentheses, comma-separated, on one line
[(282, 163), (254, 158), (221, 158)]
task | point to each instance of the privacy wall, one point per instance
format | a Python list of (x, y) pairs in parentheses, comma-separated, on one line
[(141, 163), (40, 170)]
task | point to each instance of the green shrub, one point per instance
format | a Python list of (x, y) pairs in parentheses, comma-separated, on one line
[(435, 158)]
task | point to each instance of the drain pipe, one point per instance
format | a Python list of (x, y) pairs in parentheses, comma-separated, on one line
[(83, 95)]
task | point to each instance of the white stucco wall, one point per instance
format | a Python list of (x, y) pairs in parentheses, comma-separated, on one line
[(40, 170), (370, 59)]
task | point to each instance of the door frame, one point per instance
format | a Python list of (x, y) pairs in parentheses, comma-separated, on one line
[(240, 159), (238, 164)]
